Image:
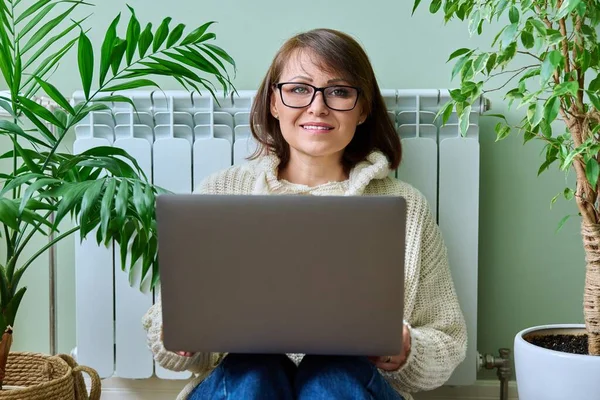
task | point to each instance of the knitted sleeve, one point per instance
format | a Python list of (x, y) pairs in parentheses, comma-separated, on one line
[(438, 332)]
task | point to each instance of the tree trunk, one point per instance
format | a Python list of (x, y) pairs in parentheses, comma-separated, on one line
[(591, 294)]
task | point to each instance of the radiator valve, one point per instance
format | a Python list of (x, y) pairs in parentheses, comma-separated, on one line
[(502, 364)]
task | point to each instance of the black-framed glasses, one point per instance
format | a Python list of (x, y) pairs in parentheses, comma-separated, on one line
[(300, 95)]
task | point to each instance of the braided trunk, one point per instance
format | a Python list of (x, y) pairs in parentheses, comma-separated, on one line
[(591, 295)]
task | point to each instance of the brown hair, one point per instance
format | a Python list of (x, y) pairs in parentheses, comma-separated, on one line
[(335, 52)]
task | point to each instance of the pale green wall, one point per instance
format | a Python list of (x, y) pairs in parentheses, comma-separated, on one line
[(528, 274)]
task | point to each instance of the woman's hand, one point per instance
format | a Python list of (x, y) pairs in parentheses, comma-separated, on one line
[(393, 363)]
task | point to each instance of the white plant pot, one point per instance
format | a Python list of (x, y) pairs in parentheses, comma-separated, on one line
[(554, 375)]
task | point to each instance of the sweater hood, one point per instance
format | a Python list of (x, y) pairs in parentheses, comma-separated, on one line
[(375, 166)]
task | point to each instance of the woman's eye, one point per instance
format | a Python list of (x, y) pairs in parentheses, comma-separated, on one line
[(300, 90), (339, 92)]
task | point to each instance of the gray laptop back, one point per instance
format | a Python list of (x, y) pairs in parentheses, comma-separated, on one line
[(282, 274)]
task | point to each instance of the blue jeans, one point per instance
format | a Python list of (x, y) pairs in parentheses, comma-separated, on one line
[(276, 377)]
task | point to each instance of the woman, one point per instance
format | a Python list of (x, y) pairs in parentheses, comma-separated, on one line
[(324, 130)]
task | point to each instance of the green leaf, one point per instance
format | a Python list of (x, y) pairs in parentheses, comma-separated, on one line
[(445, 112), (149, 254), (553, 37), (13, 306), (562, 222), (31, 10), (116, 99), (571, 87), (55, 95), (460, 64), (463, 120), (556, 58), (119, 48), (458, 52), (107, 49), (51, 41), (480, 62), (26, 157), (46, 28), (416, 4), (145, 40), (35, 187), (121, 202), (86, 63), (594, 85), (592, 170), (195, 35), (138, 199), (546, 128), (46, 65), (16, 129), (40, 125), (551, 109), (509, 34), (38, 110), (527, 39), (435, 6), (35, 21), (88, 202), (568, 193), (535, 113), (106, 206), (513, 15), (549, 65), (133, 36), (6, 105), (594, 99), (138, 83), (70, 200), (9, 213), (176, 68), (193, 61), (475, 22), (205, 37), (161, 34), (491, 63), (4, 285), (566, 8), (538, 26), (221, 53), (175, 35), (127, 230), (502, 131)]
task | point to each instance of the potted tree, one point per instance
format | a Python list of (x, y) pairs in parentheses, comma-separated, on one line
[(103, 190), (559, 87)]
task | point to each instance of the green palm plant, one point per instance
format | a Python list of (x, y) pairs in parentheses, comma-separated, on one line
[(102, 190), (555, 46)]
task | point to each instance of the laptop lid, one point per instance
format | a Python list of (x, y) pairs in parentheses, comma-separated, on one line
[(282, 274)]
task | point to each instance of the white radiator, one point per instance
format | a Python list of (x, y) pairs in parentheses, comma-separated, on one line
[(179, 138)]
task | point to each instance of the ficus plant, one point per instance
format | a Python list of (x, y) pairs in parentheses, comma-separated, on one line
[(102, 191), (554, 45)]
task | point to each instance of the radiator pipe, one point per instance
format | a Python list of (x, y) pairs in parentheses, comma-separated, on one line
[(503, 366)]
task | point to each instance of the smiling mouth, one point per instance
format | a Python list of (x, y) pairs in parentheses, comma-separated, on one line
[(316, 128)]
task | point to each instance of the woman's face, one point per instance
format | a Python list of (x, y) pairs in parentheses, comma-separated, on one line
[(315, 130)]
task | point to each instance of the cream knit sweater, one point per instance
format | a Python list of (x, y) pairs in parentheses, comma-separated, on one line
[(438, 331)]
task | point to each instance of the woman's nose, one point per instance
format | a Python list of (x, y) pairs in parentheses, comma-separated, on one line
[(318, 106)]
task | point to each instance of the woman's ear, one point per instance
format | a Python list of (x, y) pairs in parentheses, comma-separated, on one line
[(363, 116), (273, 106)]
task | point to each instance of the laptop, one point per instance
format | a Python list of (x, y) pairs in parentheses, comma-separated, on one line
[(282, 274)]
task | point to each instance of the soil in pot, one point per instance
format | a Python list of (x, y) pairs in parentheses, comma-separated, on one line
[(573, 344)]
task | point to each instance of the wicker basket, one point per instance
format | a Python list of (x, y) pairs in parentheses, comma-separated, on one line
[(44, 377)]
